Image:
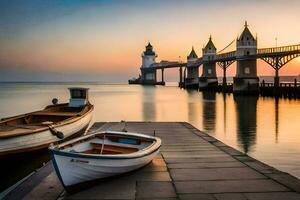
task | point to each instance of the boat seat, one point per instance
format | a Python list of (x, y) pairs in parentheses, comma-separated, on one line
[(114, 149), (65, 114), (116, 137)]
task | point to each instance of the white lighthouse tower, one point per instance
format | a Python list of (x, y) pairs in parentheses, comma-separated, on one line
[(148, 58)]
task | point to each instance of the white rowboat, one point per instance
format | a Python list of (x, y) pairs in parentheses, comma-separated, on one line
[(101, 155), (37, 130)]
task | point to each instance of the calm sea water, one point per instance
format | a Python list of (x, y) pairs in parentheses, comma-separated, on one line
[(265, 128)]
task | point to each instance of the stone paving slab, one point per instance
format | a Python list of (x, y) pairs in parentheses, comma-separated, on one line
[(196, 197), (189, 148), (155, 190), (215, 174), (195, 160), (191, 165), (220, 186), (258, 196), (114, 189), (286, 179), (193, 154), (148, 176), (200, 165), (33, 182), (230, 196), (272, 196), (54, 188)]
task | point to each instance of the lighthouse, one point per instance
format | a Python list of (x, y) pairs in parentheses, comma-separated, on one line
[(148, 58)]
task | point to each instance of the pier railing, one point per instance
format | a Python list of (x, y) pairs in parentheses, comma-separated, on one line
[(271, 84), (289, 48), (231, 54)]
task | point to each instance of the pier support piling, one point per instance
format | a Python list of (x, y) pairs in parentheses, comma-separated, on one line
[(276, 78), (224, 65), (162, 76), (180, 77), (224, 83), (192, 77)]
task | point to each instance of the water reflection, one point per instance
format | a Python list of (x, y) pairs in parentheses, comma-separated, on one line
[(246, 120), (149, 108), (209, 111), (224, 111), (194, 109), (276, 118)]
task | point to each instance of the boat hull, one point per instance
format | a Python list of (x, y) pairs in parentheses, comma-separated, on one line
[(76, 170), (42, 139)]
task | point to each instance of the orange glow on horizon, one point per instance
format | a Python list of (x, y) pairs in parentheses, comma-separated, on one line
[(91, 41)]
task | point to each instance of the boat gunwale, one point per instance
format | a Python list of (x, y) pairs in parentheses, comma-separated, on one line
[(61, 123), (139, 154)]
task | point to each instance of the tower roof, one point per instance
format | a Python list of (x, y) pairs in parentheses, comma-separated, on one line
[(149, 50), (149, 45), (193, 54), (210, 45), (246, 33)]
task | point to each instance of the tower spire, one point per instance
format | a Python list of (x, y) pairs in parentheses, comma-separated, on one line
[(246, 24), (192, 54)]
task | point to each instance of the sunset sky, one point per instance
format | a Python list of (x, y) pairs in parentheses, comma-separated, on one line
[(73, 40)]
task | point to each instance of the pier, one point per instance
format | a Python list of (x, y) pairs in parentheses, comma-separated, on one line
[(246, 80), (191, 165)]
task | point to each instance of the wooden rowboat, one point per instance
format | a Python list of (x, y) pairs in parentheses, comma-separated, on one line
[(101, 155), (37, 130)]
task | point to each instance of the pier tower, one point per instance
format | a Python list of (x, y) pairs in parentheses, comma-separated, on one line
[(209, 75), (192, 78), (246, 80), (148, 75)]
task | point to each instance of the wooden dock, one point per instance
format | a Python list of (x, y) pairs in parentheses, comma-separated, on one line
[(192, 165)]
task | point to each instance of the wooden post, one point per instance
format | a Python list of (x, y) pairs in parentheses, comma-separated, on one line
[(180, 76), (162, 75), (224, 77), (295, 88), (276, 78), (184, 77)]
